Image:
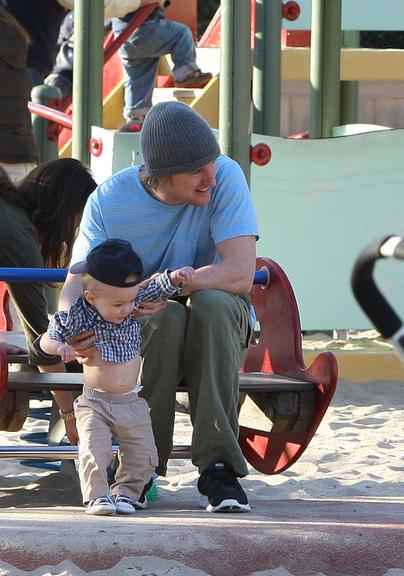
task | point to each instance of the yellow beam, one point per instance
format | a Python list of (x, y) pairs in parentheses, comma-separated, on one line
[(356, 64), (360, 366)]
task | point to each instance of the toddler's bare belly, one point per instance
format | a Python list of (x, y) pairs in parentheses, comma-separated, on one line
[(114, 377)]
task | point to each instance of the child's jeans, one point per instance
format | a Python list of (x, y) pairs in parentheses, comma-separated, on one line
[(140, 55)]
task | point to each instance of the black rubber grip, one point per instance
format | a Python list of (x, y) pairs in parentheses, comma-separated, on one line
[(368, 294)]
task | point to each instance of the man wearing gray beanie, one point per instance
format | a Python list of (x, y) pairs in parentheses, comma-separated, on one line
[(186, 205)]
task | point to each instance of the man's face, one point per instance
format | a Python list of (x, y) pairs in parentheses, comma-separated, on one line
[(189, 187)]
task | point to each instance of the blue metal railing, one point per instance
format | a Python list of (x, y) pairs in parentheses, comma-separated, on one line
[(59, 274)]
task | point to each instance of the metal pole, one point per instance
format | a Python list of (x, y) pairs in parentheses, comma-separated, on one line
[(48, 148), (267, 67), (349, 90), (325, 59), (235, 82), (87, 77)]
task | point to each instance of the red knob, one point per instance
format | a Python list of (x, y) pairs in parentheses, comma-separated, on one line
[(260, 154), (291, 11), (95, 146)]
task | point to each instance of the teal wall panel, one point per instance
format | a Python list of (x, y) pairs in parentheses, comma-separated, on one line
[(319, 203), (357, 15)]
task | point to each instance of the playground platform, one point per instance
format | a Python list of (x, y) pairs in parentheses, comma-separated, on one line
[(338, 537)]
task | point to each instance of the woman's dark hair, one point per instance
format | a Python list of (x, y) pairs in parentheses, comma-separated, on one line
[(54, 194)]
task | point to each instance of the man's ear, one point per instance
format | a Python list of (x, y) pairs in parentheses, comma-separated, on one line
[(89, 296)]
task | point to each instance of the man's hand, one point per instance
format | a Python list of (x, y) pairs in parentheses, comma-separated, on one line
[(84, 345), (148, 308)]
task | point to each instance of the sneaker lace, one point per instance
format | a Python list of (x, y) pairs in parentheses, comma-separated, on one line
[(102, 500), (125, 499)]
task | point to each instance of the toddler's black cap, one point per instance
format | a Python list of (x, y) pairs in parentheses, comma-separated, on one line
[(111, 262)]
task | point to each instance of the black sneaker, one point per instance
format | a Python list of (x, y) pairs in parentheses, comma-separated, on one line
[(219, 483)]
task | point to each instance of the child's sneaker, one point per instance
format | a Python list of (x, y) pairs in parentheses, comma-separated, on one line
[(101, 506), (124, 505), (132, 125)]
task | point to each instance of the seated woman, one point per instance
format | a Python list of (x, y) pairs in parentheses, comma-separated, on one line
[(38, 223)]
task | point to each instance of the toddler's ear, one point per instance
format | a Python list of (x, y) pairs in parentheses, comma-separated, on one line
[(89, 296)]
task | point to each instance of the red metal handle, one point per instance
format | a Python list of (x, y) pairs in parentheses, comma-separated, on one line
[(291, 11), (51, 114), (95, 146), (260, 154)]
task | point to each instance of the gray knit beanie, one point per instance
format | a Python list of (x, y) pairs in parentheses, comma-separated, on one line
[(175, 139)]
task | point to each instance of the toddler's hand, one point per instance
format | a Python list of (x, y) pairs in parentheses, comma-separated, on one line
[(182, 275), (66, 352)]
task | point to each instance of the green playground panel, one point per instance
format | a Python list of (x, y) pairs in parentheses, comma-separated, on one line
[(319, 203), (357, 15)]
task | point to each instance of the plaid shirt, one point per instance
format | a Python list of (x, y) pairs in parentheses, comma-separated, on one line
[(117, 342)]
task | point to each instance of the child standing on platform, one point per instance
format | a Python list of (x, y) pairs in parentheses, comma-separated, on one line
[(109, 405)]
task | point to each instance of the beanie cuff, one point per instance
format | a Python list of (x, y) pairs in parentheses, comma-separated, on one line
[(185, 167)]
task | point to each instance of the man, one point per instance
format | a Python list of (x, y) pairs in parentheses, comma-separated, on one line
[(187, 205)]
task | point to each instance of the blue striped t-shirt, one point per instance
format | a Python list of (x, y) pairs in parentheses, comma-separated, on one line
[(167, 235)]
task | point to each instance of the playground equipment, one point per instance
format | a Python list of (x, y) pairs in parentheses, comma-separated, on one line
[(294, 398), (369, 296), (294, 64)]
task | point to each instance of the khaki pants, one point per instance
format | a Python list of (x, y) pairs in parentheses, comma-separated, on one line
[(101, 416)]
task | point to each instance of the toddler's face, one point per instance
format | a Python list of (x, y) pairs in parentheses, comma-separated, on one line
[(114, 304)]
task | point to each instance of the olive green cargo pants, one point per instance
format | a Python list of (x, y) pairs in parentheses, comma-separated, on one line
[(203, 344)]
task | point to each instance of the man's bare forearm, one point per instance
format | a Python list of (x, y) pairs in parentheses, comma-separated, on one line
[(235, 270)]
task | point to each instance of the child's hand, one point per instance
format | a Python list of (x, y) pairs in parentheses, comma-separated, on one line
[(183, 275), (66, 352)]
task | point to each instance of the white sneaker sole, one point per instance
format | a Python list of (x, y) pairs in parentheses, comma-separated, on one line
[(229, 505), (93, 511), (125, 510)]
